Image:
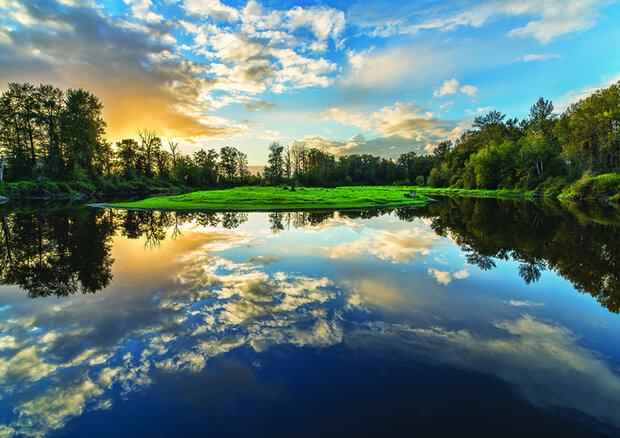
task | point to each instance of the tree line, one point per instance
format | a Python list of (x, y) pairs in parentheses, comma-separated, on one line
[(48, 133), (543, 150)]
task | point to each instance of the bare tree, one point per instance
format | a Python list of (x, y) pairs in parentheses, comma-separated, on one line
[(149, 141), (174, 150)]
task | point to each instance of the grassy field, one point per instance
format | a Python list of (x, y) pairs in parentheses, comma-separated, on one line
[(276, 198)]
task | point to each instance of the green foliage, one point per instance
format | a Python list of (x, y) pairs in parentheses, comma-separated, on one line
[(589, 132), (601, 187)]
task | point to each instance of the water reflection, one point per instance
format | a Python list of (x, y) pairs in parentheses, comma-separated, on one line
[(182, 291), (585, 252), (68, 251)]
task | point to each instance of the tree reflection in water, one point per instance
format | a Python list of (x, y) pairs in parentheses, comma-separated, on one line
[(68, 251)]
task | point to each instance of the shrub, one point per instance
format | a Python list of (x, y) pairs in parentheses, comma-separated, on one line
[(83, 186)]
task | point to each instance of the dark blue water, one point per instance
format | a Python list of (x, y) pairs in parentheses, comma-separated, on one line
[(467, 318)]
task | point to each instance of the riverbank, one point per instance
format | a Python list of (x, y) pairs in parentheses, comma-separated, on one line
[(475, 193), (29, 191), (284, 199)]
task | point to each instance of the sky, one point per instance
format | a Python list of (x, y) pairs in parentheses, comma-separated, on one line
[(381, 77)]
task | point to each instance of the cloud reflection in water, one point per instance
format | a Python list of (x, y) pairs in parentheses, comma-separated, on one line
[(175, 307)]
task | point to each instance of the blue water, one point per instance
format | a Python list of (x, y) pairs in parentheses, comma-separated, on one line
[(323, 326)]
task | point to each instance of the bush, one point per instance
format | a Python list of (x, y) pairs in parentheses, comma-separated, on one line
[(598, 187), (419, 181), (25, 187), (83, 186), (402, 182), (50, 186)]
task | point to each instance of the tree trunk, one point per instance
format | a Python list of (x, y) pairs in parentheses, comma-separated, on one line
[(2, 169)]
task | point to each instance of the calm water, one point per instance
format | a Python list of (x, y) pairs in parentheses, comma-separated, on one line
[(469, 317)]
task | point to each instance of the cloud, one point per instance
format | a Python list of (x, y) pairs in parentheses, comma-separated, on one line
[(211, 8), (406, 120), (130, 67), (394, 66), (539, 57), (524, 303), (546, 20), (452, 86), (169, 75), (397, 129), (573, 96), (260, 105), (398, 247), (543, 360), (445, 277)]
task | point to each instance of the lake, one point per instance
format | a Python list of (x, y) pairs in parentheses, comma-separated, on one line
[(466, 317)]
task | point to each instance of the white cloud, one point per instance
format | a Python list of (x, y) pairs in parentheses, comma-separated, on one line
[(547, 19), (539, 57), (452, 86), (573, 96), (470, 90), (445, 277), (211, 8), (324, 22), (524, 303)]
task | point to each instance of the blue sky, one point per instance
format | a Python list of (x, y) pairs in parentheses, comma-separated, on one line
[(381, 77)]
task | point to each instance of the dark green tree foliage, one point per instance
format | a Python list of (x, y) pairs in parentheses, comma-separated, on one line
[(82, 129), (589, 132)]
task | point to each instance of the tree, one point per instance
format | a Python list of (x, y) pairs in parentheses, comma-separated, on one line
[(537, 153), (242, 165), (589, 132), (48, 115), (151, 145), (275, 163), (82, 129), (174, 151), (228, 163), (128, 153), (542, 120)]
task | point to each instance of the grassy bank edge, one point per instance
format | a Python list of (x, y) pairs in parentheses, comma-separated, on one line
[(247, 199)]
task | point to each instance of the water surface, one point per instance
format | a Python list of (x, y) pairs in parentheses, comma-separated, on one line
[(494, 318)]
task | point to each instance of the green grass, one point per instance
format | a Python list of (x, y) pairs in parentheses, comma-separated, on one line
[(275, 198), (476, 193)]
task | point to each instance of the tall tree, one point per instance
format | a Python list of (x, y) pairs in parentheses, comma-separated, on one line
[(48, 115), (82, 129), (228, 163), (275, 163), (151, 145), (542, 120)]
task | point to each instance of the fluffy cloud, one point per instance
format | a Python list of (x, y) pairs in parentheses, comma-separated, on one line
[(397, 129), (132, 61), (131, 67), (452, 86), (445, 277)]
